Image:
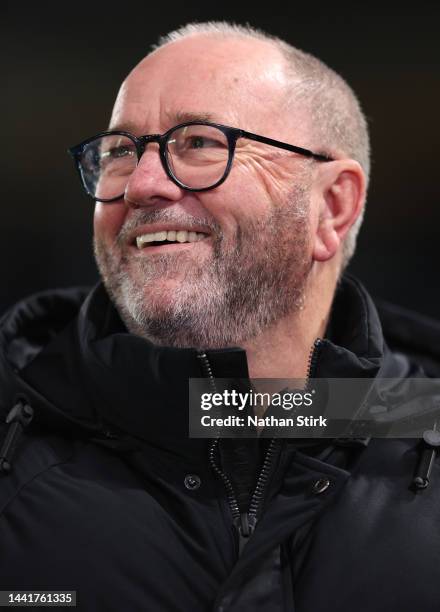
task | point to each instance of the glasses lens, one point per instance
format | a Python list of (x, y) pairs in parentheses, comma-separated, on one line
[(198, 155), (106, 165)]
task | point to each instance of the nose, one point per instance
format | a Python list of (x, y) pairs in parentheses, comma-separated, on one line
[(149, 184)]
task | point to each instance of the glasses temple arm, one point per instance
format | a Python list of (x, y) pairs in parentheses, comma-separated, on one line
[(285, 145)]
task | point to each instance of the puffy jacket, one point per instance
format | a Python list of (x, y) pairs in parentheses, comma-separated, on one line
[(103, 492)]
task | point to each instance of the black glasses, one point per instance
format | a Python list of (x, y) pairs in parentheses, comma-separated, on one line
[(197, 156)]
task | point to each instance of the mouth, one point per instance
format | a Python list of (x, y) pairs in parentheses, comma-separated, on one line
[(167, 237)]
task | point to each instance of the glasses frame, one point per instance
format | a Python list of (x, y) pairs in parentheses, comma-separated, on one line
[(232, 135)]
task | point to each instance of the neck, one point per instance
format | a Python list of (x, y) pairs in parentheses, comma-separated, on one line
[(283, 350)]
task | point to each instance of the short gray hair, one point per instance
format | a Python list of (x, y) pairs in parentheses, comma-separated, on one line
[(339, 125)]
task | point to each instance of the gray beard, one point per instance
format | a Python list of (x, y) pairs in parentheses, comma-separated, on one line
[(242, 290)]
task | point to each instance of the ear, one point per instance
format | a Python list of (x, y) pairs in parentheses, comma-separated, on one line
[(340, 192)]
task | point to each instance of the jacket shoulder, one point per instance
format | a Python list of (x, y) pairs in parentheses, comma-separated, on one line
[(36, 454), (34, 321), (412, 334)]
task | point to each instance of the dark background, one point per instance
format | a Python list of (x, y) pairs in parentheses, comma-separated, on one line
[(65, 61)]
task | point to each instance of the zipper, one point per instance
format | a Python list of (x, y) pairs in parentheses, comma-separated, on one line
[(232, 500), (313, 359), (245, 522), (241, 521), (258, 495), (207, 370)]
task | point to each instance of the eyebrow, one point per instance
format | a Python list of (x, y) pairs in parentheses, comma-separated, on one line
[(124, 126), (175, 119), (184, 116)]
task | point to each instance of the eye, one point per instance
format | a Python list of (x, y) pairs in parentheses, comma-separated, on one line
[(117, 152), (197, 144), (201, 142), (192, 142)]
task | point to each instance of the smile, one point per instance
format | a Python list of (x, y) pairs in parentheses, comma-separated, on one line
[(168, 237)]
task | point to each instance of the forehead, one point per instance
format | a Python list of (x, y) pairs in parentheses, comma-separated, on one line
[(234, 81)]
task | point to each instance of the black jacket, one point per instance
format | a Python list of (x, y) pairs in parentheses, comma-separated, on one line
[(104, 493)]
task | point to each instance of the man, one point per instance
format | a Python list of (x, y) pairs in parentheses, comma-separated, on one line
[(221, 251)]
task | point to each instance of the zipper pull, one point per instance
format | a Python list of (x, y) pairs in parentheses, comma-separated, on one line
[(429, 449), (245, 525), (18, 418)]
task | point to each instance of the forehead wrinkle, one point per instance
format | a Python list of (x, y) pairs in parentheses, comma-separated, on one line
[(183, 116), (126, 125)]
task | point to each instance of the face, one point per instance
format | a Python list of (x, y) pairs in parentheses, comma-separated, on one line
[(246, 251)]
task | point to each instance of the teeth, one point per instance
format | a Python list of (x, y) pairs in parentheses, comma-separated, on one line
[(171, 236), (182, 236)]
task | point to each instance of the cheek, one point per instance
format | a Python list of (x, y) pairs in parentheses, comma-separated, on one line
[(238, 202), (267, 175), (249, 194), (107, 220), (316, 201)]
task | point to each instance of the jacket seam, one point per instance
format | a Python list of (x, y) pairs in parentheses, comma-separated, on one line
[(366, 317), (31, 480)]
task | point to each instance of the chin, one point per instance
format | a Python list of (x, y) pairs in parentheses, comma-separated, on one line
[(159, 293)]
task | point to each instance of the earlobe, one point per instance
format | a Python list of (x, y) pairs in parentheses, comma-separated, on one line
[(342, 195), (326, 242)]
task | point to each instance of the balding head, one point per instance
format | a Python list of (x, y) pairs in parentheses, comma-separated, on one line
[(247, 92)]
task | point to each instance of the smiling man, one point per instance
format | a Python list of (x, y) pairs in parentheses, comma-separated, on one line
[(265, 225), (229, 190)]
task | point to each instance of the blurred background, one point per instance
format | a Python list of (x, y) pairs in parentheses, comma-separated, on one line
[(64, 63)]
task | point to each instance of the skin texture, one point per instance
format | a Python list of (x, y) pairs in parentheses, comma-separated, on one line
[(264, 278)]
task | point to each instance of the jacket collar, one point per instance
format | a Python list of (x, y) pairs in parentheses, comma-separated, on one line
[(354, 345), (96, 375)]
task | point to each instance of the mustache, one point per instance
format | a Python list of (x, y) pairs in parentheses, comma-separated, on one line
[(165, 215)]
